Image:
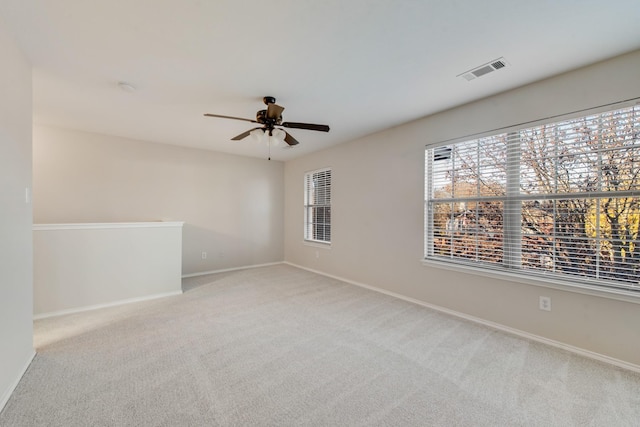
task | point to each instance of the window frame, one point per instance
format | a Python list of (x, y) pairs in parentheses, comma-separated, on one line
[(309, 235), (539, 278)]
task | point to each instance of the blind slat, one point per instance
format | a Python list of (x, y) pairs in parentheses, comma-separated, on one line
[(317, 206), (562, 198)]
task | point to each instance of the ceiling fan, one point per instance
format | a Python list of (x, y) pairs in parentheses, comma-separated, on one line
[(270, 121)]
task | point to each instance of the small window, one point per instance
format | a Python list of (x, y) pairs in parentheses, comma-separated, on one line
[(317, 206)]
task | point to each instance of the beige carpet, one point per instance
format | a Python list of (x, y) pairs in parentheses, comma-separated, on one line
[(282, 346)]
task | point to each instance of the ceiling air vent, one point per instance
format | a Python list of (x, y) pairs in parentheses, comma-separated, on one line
[(487, 68)]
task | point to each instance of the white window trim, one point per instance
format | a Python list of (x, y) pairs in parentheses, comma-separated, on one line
[(547, 282), (541, 121), (314, 242), (317, 244), (553, 283)]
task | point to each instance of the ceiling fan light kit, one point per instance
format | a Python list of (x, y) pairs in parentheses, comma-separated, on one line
[(257, 135), (276, 137), (271, 121)]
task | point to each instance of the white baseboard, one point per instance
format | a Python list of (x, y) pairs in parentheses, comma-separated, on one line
[(110, 304), (8, 392), (577, 350), (224, 270), (145, 298)]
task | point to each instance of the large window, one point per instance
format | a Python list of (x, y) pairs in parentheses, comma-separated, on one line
[(560, 200), (317, 206)]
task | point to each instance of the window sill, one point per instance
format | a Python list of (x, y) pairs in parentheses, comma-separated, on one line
[(567, 286), (317, 244)]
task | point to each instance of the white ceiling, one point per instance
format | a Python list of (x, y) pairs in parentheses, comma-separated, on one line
[(358, 65)]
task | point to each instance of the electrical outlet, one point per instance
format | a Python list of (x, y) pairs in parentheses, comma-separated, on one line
[(204, 255), (545, 303)]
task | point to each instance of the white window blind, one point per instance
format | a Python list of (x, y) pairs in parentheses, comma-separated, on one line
[(560, 199), (317, 206)]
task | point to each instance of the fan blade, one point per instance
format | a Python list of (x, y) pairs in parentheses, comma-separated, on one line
[(229, 117), (290, 140), (243, 135), (307, 126), (274, 111)]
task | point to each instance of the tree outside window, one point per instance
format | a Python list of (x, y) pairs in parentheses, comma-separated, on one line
[(558, 199)]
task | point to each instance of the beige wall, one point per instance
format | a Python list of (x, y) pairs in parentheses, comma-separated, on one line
[(84, 266), (232, 206), (16, 348), (377, 214)]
